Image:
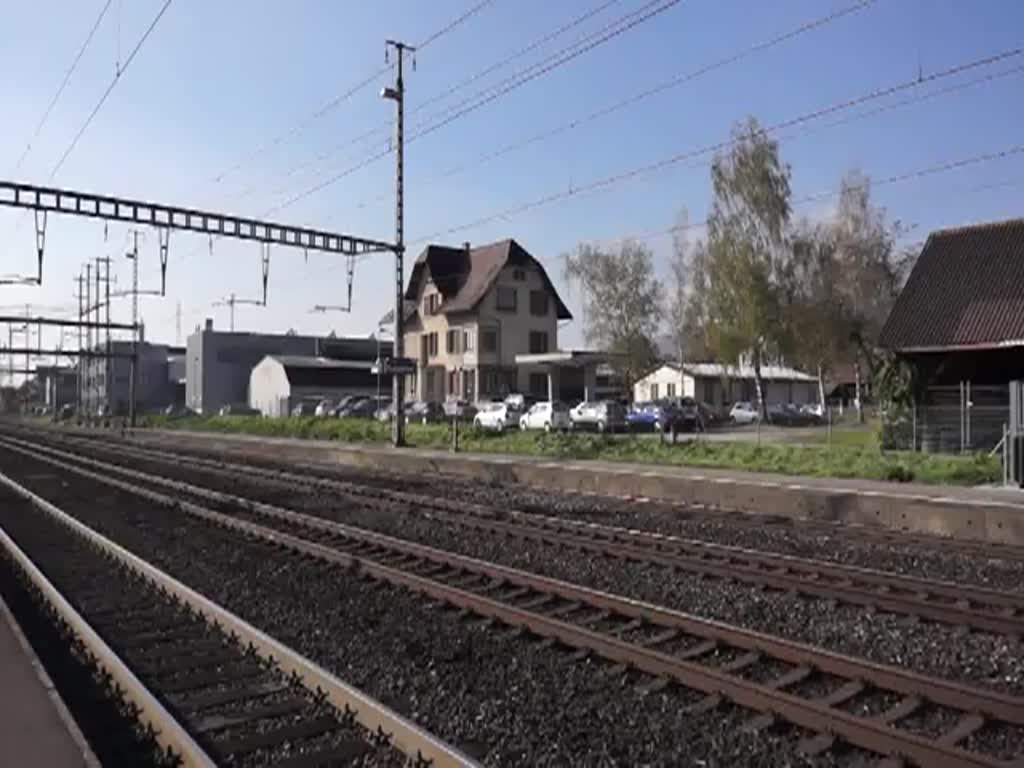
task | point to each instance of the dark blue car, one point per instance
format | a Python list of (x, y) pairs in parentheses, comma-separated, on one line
[(661, 416)]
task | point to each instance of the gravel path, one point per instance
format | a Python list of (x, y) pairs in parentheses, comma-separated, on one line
[(505, 699)]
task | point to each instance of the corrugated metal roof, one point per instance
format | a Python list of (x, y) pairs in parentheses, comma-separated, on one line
[(966, 290), (464, 276), (719, 370), (300, 361)]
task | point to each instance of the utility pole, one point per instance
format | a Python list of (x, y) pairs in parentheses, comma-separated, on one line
[(78, 400), (103, 391), (397, 94), (108, 364), (85, 362), (28, 346), (134, 256)]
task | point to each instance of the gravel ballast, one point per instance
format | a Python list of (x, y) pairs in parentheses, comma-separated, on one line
[(504, 698), (977, 658)]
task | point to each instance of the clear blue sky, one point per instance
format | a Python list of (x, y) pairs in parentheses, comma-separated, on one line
[(216, 81)]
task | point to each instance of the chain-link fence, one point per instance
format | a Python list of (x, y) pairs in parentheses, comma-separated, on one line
[(949, 419)]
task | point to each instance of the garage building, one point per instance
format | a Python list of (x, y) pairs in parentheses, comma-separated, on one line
[(717, 385), (280, 382)]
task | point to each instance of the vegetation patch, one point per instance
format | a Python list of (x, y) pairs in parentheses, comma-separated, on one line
[(838, 460)]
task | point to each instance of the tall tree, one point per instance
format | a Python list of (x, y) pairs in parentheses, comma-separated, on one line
[(819, 324), (622, 302), (871, 269), (748, 259)]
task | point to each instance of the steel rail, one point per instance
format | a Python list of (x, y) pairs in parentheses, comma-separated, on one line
[(747, 518), (374, 716), (168, 732), (849, 584), (875, 734), (743, 518)]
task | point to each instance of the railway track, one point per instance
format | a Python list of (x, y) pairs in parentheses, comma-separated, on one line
[(745, 518), (837, 700), (959, 605), (213, 690)]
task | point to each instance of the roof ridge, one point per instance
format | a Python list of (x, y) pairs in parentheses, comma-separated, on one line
[(1017, 221)]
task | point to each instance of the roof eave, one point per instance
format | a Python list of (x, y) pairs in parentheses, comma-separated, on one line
[(979, 346)]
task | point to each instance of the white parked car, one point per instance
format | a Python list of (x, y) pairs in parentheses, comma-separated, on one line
[(744, 413), (545, 415), (496, 416), (324, 408)]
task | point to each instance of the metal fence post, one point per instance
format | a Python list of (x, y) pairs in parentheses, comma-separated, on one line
[(913, 425), (1006, 463), (967, 415), (961, 417)]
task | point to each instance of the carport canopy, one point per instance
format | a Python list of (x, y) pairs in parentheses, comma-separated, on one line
[(552, 362)]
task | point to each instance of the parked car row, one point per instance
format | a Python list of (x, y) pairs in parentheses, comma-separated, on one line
[(787, 415)]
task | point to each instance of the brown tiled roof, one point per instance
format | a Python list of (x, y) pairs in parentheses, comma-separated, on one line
[(464, 277), (966, 290)]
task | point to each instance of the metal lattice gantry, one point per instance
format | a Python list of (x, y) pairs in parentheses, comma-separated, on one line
[(45, 200)]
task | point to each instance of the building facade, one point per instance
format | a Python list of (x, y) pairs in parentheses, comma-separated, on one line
[(718, 385), (60, 386), (106, 383), (219, 364), (470, 312)]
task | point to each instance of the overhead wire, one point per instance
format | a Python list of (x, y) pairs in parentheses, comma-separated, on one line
[(803, 126), (709, 149), (874, 182), (64, 84), (117, 78), (385, 126), (673, 82), (336, 101), (561, 58)]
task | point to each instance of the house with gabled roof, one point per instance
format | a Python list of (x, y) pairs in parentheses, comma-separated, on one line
[(470, 312), (960, 317), (959, 322)]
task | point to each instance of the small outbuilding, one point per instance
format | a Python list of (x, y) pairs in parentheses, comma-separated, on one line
[(717, 385), (959, 324), (280, 382)]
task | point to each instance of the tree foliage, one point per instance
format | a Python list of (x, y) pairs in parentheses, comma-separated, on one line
[(871, 270), (749, 264), (622, 302)]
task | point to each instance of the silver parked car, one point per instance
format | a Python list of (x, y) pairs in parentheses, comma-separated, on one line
[(603, 415)]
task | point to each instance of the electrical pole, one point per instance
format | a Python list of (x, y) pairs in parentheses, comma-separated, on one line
[(78, 400), (134, 256), (85, 362), (397, 94), (108, 364), (104, 391)]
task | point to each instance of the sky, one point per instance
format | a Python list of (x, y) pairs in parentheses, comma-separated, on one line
[(234, 107)]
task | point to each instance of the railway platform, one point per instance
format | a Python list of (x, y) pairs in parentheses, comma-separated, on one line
[(35, 727)]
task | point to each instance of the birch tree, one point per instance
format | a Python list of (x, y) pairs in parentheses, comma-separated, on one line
[(748, 256), (622, 302)]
